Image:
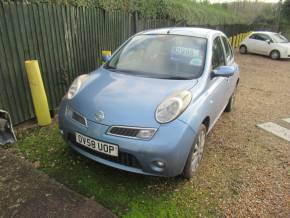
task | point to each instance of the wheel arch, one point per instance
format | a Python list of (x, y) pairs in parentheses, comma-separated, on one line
[(243, 45), (238, 82), (206, 122)]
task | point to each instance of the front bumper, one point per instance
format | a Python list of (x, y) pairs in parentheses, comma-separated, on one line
[(170, 144), (285, 55)]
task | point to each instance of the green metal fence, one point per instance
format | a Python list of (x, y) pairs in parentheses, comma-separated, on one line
[(66, 40)]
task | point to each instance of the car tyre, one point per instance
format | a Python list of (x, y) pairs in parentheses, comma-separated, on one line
[(275, 55), (195, 154), (243, 49)]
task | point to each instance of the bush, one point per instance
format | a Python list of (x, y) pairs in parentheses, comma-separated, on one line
[(188, 11)]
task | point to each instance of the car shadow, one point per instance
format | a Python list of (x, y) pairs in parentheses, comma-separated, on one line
[(265, 57)]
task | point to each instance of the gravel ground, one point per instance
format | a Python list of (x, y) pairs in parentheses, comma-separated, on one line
[(261, 160)]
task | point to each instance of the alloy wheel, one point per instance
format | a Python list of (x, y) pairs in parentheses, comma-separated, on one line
[(275, 55), (243, 50), (198, 151)]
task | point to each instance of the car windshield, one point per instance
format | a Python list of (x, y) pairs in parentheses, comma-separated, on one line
[(279, 38), (161, 56)]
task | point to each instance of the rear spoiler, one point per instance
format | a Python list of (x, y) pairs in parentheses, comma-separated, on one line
[(6, 130)]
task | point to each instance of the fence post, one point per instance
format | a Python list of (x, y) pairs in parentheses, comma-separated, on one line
[(234, 41), (238, 40)]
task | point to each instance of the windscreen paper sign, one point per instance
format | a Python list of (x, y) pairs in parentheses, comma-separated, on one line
[(190, 56)]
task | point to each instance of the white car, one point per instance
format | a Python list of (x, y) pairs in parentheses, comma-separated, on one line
[(270, 44)]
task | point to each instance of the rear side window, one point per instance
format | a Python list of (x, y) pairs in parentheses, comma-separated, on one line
[(229, 53), (218, 57), (256, 36), (260, 37)]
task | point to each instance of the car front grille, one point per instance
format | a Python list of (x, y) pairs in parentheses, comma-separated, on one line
[(124, 131), (123, 157)]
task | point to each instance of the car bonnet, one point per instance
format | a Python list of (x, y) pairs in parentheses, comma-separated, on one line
[(124, 99)]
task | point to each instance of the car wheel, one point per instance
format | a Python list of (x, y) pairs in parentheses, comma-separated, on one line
[(275, 55), (243, 49), (231, 103), (195, 154)]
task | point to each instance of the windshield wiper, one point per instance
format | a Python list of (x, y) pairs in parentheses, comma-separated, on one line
[(177, 78), (144, 74), (108, 67)]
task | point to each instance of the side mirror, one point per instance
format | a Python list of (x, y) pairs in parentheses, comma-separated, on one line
[(224, 71), (268, 41)]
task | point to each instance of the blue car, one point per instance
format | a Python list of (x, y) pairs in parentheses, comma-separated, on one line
[(149, 108)]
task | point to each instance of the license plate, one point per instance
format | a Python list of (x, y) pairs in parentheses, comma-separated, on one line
[(96, 145)]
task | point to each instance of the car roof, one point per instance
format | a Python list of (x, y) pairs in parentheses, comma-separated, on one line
[(184, 31), (264, 32)]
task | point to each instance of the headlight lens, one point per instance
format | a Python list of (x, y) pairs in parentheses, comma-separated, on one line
[(173, 106), (76, 85)]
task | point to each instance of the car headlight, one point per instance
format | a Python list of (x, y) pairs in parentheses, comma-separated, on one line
[(146, 133), (76, 85), (173, 106)]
